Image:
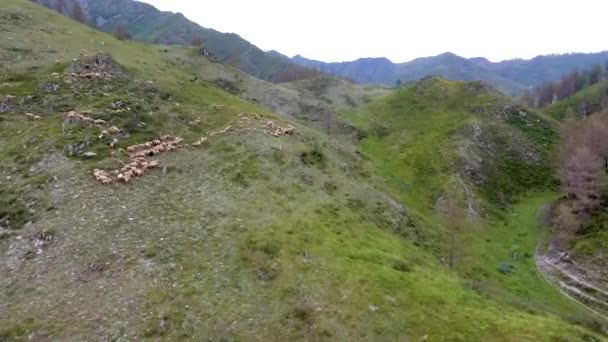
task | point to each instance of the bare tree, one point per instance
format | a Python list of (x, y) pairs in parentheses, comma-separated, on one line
[(596, 136), (196, 41), (453, 217), (579, 174), (121, 32), (78, 13), (61, 6)]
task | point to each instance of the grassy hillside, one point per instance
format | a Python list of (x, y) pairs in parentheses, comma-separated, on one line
[(247, 237), (315, 100), (589, 100), (437, 139), (427, 134)]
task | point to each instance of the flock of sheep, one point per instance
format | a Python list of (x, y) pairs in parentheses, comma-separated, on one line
[(93, 75), (139, 153), (280, 130), (139, 164)]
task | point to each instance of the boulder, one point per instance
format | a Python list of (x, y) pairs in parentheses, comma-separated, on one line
[(74, 149), (100, 63), (49, 87)]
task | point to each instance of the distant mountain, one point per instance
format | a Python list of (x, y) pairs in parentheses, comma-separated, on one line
[(147, 24), (510, 76)]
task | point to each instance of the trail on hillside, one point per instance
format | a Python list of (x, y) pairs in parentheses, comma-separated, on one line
[(568, 284)]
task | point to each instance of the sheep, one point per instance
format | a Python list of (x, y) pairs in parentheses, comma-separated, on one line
[(200, 141), (102, 177), (29, 115), (36, 117), (138, 154), (114, 143)]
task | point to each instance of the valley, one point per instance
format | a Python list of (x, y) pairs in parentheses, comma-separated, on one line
[(283, 205)]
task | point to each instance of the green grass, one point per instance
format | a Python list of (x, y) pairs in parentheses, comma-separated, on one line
[(250, 237), (513, 241), (417, 139)]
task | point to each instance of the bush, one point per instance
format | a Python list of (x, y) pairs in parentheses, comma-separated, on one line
[(121, 33), (314, 157)]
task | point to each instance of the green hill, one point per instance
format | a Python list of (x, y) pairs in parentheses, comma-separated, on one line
[(589, 100), (147, 24), (247, 235), (429, 132)]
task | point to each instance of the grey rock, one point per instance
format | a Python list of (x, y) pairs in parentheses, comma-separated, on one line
[(89, 155), (5, 107), (49, 87), (74, 149), (505, 268), (117, 104)]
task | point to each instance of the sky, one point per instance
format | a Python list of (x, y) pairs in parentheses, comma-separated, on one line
[(339, 30)]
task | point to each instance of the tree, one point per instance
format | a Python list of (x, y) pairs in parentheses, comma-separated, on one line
[(583, 156), (596, 135), (78, 13), (453, 218), (528, 99), (196, 41), (595, 74), (580, 173), (546, 94), (121, 32), (61, 6), (567, 85)]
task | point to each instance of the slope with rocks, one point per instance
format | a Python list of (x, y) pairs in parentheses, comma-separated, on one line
[(314, 101), (147, 24), (257, 232), (573, 253)]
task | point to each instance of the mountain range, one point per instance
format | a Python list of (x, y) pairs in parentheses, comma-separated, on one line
[(510, 76), (149, 25)]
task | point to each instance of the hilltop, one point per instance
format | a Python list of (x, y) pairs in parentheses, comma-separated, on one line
[(145, 23), (249, 224)]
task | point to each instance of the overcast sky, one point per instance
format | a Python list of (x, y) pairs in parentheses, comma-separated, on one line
[(341, 30)]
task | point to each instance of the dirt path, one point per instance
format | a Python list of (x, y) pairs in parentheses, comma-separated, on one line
[(568, 284)]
